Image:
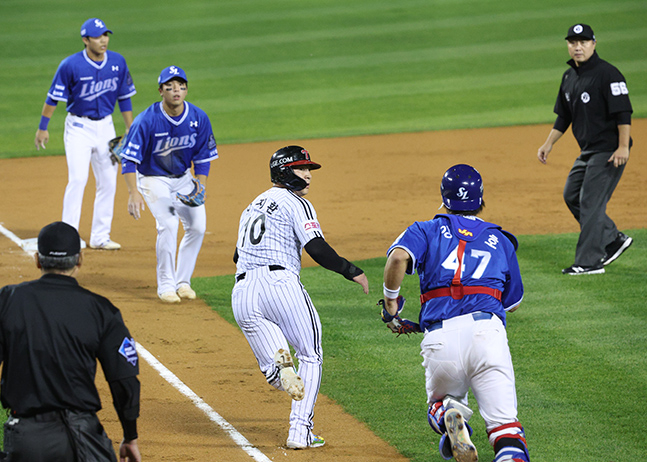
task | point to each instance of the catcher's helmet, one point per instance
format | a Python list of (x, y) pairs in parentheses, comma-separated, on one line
[(281, 165), (462, 188)]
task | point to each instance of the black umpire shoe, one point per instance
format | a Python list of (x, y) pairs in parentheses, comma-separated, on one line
[(575, 270), (615, 249)]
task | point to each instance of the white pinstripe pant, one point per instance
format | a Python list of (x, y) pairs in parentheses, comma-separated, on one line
[(273, 309)]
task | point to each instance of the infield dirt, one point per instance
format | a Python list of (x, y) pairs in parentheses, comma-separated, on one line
[(369, 190)]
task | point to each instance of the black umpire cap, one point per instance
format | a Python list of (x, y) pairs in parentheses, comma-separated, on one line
[(581, 31), (59, 239)]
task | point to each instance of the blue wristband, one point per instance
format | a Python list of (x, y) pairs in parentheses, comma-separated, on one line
[(44, 122)]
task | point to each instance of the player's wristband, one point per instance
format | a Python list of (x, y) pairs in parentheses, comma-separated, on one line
[(388, 293), (44, 122)]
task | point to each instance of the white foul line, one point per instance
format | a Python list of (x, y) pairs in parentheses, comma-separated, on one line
[(176, 383), (171, 378)]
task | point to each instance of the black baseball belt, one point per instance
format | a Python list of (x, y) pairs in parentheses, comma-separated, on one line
[(241, 276)]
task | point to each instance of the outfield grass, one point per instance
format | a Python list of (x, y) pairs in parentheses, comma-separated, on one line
[(578, 346), (289, 69)]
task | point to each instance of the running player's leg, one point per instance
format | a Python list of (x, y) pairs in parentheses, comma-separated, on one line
[(493, 385), (105, 174), (156, 192), (264, 337), (78, 149), (302, 327)]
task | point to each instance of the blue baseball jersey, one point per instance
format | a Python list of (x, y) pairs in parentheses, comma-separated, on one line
[(162, 145), (91, 88), (489, 260)]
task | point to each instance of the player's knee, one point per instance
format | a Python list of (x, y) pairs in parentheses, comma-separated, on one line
[(509, 443)]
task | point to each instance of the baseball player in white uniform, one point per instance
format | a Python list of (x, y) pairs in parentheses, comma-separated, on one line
[(160, 147), (90, 82), (270, 304)]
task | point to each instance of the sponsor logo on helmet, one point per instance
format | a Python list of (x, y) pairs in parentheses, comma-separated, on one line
[(282, 161), (465, 232)]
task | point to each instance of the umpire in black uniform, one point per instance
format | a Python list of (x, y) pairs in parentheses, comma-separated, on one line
[(52, 331), (594, 98)]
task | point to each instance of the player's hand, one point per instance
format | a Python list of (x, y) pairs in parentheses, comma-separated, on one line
[(136, 204), (41, 139), (620, 156), (543, 151), (129, 451), (362, 280)]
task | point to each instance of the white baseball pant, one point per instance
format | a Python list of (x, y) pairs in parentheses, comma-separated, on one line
[(160, 195), (273, 309), (86, 143), (466, 354)]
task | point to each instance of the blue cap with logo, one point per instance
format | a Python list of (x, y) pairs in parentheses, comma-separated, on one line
[(94, 27), (170, 73)]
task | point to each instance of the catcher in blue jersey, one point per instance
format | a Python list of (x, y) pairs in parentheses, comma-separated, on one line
[(163, 143), (90, 82), (469, 279)]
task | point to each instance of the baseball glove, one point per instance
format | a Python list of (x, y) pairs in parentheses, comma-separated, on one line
[(115, 146), (196, 197), (397, 324)]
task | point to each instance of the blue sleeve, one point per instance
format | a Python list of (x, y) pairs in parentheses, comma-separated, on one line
[(128, 166), (127, 87), (513, 286), (208, 150), (136, 143), (413, 241), (125, 105), (202, 168), (60, 88)]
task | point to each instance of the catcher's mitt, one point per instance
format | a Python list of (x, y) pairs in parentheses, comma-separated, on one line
[(397, 324), (196, 197), (115, 147)]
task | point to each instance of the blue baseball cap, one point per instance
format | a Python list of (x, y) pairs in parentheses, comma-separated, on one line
[(94, 27), (171, 72)]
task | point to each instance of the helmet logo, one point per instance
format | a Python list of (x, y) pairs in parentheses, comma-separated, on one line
[(462, 194), (305, 153), (465, 232)]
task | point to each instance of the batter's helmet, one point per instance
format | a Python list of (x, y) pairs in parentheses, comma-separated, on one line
[(462, 188), (281, 165)]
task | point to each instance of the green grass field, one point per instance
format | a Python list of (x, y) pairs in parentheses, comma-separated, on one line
[(578, 346), (289, 69)]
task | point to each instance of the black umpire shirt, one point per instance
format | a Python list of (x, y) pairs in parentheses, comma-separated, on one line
[(52, 331), (594, 98)]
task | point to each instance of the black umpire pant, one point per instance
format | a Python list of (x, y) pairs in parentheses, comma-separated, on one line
[(588, 189), (60, 436)]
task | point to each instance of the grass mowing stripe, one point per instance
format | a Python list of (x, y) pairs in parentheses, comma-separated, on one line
[(577, 344)]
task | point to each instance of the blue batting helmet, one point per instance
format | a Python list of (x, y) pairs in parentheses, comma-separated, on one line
[(462, 188)]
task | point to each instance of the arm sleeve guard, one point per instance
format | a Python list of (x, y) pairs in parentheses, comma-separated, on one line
[(324, 255)]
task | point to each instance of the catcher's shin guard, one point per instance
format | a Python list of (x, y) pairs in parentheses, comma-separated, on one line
[(509, 443)]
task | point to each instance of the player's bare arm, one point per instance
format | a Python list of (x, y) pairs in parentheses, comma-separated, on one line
[(42, 136), (544, 149), (394, 271), (621, 155), (135, 199)]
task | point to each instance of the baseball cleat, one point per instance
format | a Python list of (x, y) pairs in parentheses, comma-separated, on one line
[(169, 297), (185, 291), (575, 270), (317, 442), (290, 381), (616, 248), (108, 245), (462, 447)]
